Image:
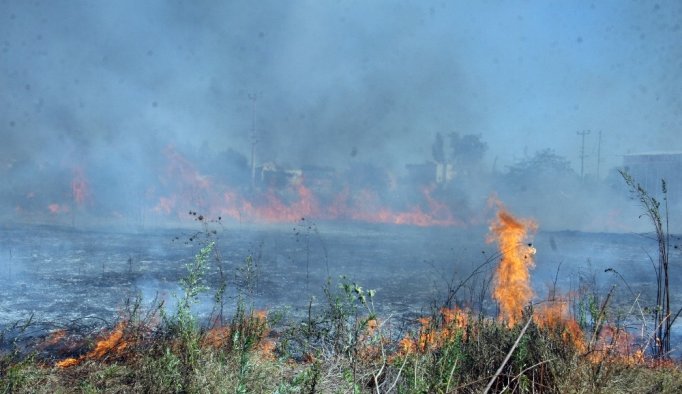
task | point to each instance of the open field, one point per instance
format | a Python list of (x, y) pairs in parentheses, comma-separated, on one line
[(76, 282), (61, 273)]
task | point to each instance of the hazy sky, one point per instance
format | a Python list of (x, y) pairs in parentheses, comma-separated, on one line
[(121, 78)]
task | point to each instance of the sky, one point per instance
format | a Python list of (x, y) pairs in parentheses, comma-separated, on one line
[(338, 81), (330, 76)]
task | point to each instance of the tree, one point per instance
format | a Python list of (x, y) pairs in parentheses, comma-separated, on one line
[(545, 174), (467, 150), (437, 149), (543, 163)]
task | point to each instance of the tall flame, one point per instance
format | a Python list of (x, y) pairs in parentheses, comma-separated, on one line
[(512, 278)]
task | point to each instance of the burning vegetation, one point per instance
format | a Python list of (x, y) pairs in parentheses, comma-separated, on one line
[(344, 344), (274, 195), (111, 344), (289, 200), (512, 277)]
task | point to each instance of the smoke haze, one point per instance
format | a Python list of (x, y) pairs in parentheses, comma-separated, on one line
[(103, 90)]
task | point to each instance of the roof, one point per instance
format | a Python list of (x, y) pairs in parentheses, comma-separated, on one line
[(678, 153)]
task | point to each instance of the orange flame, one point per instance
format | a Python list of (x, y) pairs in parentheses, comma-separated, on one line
[(221, 336), (616, 344), (112, 343), (187, 189), (512, 280), (69, 362), (554, 315), (216, 337), (433, 336), (54, 338)]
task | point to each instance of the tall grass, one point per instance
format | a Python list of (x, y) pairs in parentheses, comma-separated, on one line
[(663, 317)]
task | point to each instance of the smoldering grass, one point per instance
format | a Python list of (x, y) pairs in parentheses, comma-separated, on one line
[(343, 345)]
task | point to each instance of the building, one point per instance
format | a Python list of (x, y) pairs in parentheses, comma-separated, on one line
[(429, 172), (422, 174), (275, 177)]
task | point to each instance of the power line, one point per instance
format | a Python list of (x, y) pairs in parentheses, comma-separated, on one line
[(254, 140), (598, 154), (582, 152)]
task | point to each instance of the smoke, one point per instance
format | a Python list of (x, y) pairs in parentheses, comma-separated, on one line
[(105, 88)]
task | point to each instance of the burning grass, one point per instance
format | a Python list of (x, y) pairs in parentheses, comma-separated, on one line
[(112, 343), (453, 350), (345, 346)]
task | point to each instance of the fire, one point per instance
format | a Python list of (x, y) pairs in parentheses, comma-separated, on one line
[(615, 344), (54, 338), (79, 187), (275, 211), (366, 206), (69, 362), (255, 324), (216, 337), (434, 335), (185, 188), (55, 208), (554, 315), (112, 343), (512, 280), (166, 205)]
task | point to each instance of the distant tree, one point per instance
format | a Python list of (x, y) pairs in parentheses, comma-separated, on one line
[(544, 162), (438, 149), (467, 150), (544, 172)]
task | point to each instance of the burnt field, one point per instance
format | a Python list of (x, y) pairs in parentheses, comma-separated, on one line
[(62, 276)]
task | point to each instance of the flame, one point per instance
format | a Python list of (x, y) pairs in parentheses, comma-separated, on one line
[(79, 187), (512, 280), (554, 315), (185, 188), (55, 208), (306, 205), (256, 324), (616, 345), (372, 325), (407, 346), (166, 205), (54, 338), (112, 343), (432, 336), (216, 337), (367, 207), (68, 362), (266, 346)]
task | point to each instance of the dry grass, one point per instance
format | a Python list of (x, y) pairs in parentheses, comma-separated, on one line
[(442, 354)]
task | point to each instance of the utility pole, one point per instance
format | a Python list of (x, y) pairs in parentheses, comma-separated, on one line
[(253, 97), (598, 154), (582, 152)]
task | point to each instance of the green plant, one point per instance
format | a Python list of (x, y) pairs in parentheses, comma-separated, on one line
[(183, 324), (15, 374), (663, 319), (307, 380), (164, 372)]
